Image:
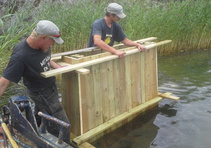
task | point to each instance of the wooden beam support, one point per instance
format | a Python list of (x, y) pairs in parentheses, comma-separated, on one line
[(90, 134), (96, 61), (168, 96), (86, 145), (138, 41), (95, 48), (83, 71)]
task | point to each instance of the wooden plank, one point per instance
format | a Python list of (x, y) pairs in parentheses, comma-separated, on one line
[(96, 61), (128, 88), (122, 87), (70, 84), (139, 41), (143, 89), (133, 80), (80, 91), (71, 60), (104, 92), (74, 52), (86, 145), (116, 87), (83, 71), (95, 48), (111, 88), (168, 96), (118, 119), (150, 74), (136, 73), (138, 79), (97, 93), (63, 63), (154, 80), (88, 101)]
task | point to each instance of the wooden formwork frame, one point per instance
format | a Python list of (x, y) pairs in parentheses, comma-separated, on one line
[(80, 64)]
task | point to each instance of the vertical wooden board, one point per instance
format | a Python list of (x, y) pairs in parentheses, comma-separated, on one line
[(84, 97), (70, 100), (138, 79), (80, 103), (111, 88), (156, 65), (89, 102), (116, 86), (155, 78), (122, 87), (143, 89), (104, 92), (128, 82), (97, 93), (133, 80), (147, 74), (150, 75)]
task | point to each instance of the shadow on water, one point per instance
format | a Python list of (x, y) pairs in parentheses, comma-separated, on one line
[(131, 134)]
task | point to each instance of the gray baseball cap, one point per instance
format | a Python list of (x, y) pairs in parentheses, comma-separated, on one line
[(48, 28), (116, 9)]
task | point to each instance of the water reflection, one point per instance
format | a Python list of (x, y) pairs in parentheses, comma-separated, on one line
[(187, 76), (138, 133), (167, 110)]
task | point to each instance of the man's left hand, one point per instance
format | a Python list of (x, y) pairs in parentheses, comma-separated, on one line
[(141, 47)]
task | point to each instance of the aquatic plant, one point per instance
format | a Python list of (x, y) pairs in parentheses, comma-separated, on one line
[(187, 23), (13, 28)]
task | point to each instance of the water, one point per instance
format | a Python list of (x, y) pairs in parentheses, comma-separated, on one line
[(173, 124)]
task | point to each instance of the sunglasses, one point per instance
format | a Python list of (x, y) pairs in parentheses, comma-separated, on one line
[(55, 35)]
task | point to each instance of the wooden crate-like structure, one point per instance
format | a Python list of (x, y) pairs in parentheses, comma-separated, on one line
[(100, 90)]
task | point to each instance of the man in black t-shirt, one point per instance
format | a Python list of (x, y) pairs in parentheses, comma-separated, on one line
[(31, 57), (106, 30)]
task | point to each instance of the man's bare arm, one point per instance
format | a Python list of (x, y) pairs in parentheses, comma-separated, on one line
[(102, 45), (128, 42), (4, 83)]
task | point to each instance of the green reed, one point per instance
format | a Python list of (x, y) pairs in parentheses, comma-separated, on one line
[(186, 23)]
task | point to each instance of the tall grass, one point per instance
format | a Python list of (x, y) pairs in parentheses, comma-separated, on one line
[(13, 28), (187, 23)]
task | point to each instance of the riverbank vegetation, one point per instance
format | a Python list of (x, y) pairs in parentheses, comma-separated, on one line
[(186, 22)]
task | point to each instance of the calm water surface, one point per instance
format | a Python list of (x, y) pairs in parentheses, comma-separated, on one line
[(173, 124)]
